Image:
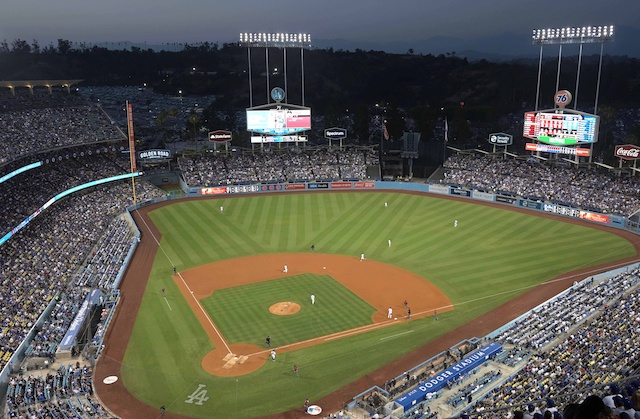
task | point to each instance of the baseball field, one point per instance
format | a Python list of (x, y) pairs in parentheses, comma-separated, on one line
[(198, 347)]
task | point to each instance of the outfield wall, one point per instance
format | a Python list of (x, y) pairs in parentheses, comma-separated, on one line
[(564, 210)]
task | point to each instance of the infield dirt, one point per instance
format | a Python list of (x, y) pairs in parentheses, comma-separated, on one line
[(379, 284)]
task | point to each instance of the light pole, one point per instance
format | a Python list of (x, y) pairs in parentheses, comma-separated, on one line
[(275, 40), (569, 35)]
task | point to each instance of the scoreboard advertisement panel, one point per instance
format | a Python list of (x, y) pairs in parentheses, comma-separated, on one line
[(562, 129), (278, 121), (278, 139), (574, 151)]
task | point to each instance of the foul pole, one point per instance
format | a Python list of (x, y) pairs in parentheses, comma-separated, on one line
[(132, 150)]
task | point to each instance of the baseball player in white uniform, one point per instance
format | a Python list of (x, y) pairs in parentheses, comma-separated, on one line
[(313, 299), (390, 313)]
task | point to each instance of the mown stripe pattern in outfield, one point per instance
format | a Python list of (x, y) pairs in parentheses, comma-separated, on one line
[(242, 313), (492, 256)]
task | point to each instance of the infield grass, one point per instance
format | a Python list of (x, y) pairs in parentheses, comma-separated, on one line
[(490, 258), (240, 311)]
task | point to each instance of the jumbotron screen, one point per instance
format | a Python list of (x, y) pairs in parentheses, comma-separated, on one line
[(561, 129), (278, 121)]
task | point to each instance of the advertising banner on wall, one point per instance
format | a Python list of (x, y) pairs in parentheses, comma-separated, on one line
[(530, 204), (592, 216), (460, 192), (294, 186), (483, 196), (441, 189), (271, 187), (213, 191), (439, 381), (243, 188), (506, 199)]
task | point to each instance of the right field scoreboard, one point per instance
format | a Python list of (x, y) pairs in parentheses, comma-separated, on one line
[(564, 128)]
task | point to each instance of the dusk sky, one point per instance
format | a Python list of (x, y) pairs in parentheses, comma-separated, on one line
[(366, 21)]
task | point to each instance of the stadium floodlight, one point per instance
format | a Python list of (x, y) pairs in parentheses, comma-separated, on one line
[(278, 40), (569, 35)]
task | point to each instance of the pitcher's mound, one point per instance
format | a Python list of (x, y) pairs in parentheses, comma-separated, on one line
[(284, 309)]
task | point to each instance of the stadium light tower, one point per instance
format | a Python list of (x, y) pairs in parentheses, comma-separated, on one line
[(569, 35), (275, 40)]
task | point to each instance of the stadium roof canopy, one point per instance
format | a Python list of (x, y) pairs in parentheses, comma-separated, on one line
[(12, 84)]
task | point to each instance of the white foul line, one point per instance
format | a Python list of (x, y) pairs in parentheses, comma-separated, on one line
[(185, 284), (397, 334), (215, 329), (167, 301)]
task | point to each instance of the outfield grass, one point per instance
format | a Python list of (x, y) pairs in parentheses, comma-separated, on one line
[(239, 312), (491, 257)]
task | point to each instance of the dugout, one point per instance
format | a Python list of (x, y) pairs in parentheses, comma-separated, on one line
[(80, 329)]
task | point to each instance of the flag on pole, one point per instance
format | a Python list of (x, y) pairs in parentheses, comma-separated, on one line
[(385, 133), (446, 130)]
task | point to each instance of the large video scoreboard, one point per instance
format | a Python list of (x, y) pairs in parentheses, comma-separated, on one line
[(278, 121), (562, 129)]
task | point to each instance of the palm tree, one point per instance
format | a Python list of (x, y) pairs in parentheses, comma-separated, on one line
[(194, 120)]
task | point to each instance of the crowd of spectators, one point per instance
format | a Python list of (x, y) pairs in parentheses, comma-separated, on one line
[(67, 393), (587, 188), (286, 165), (44, 257), (60, 170), (99, 272), (39, 263), (45, 260), (600, 350)]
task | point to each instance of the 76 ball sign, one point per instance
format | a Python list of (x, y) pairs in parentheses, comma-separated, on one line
[(562, 98)]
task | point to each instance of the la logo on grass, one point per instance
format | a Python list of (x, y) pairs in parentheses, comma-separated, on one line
[(199, 396)]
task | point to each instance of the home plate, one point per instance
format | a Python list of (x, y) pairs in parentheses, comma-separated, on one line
[(231, 361)]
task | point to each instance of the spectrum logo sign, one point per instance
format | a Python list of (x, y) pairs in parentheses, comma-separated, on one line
[(335, 133)]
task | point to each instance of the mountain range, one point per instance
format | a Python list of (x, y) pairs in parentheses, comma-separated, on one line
[(499, 47)]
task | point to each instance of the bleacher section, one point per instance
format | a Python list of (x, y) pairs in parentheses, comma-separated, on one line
[(286, 165)]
